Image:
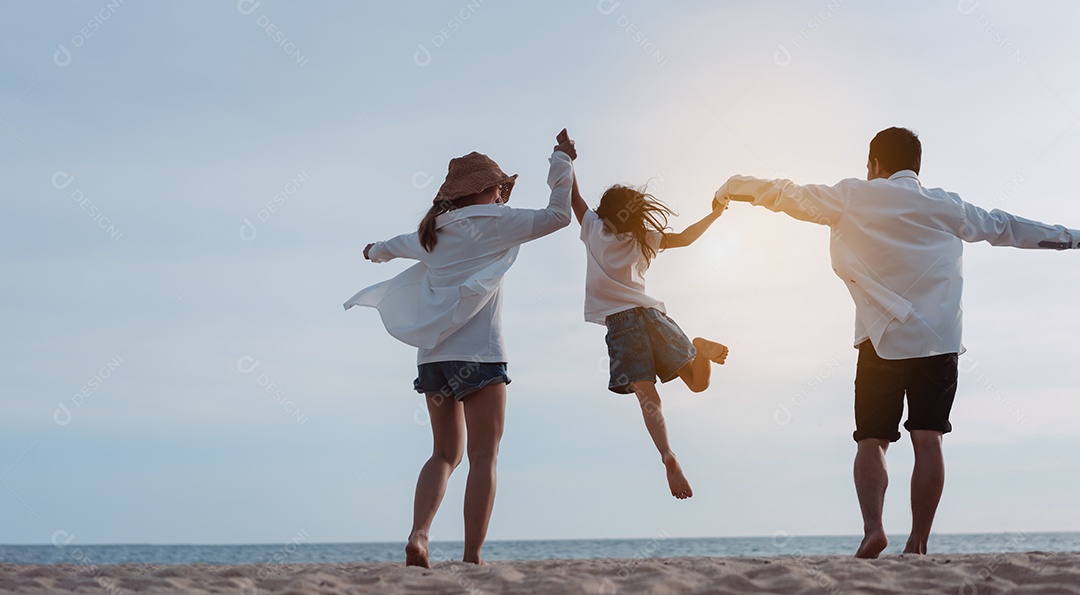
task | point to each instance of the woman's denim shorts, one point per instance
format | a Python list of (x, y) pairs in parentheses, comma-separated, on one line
[(458, 379), (644, 343)]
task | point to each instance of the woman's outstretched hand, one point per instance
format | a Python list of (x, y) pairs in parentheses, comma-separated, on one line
[(366, 248), (565, 144)]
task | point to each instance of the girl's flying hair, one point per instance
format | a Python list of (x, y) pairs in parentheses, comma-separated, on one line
[(627, 210)]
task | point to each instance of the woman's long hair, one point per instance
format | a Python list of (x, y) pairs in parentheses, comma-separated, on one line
[(426, 229), (627, 210)]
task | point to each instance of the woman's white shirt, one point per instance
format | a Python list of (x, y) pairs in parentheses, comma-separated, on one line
[(449, 304)]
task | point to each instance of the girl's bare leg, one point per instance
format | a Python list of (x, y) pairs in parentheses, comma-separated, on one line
[(448, 434), (485, 411), (651, 410), (697, 373)]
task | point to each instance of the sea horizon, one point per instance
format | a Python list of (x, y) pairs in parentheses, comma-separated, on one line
[(299, 550)]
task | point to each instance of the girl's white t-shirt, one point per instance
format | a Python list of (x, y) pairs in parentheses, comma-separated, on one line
[(614, 271)]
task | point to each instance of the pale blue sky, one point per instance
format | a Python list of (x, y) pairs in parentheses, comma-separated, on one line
[(173, 123)]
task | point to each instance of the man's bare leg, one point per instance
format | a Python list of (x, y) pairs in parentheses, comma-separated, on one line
[(927, 483), (871, 480), (649, 400), (448, 438), (698, 372)]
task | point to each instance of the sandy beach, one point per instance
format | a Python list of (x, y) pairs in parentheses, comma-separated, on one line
[(953, 574)]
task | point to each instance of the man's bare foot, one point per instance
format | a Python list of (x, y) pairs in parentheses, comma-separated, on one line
[(711, 350), (474, 560), (416, 551), (680, 487), (872, 545), (915, 547)]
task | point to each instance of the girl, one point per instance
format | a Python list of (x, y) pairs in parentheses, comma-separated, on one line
[(449, 306), (621, 237)]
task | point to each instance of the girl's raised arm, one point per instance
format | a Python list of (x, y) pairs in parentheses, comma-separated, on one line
[(577, 202), (691, 234)]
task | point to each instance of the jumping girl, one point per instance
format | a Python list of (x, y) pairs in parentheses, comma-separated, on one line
[(449, 306), (621, 238)]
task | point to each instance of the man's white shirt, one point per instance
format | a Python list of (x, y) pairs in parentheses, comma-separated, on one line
[(898, 247)]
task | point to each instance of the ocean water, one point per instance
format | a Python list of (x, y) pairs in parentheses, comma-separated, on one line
[(300, 551)]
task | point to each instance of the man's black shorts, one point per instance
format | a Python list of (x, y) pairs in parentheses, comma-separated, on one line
[(880, 385)]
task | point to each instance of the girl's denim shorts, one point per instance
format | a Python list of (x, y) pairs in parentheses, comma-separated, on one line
[(643, 344), (458, 379)]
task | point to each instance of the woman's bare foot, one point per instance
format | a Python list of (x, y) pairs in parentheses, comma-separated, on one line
[(416, 551), (680, 487), (711, 350), (474, 560), (872, 545)]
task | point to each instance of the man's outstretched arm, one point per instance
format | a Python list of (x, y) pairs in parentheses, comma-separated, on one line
[(823, 205), (1005, 229)]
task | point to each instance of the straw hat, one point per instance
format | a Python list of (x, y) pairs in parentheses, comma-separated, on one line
[(471, 174)]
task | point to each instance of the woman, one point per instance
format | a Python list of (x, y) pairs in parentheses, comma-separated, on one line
[(449, 306)]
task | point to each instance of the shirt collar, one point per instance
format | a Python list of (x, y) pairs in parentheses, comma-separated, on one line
[(490, 210), (905, 173)]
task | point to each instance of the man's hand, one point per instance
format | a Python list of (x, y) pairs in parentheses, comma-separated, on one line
[(366, 248), (565, 144), (724, 196)]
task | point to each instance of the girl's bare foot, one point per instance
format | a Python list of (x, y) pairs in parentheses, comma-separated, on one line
[(680, 487), (416, 551), (711, 350)]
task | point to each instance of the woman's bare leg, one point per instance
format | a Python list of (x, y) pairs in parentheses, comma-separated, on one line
[(485, 412), (697, 373), (651, 410), (448, 437)]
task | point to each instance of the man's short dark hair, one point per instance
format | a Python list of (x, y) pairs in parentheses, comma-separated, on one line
[(897, 149)]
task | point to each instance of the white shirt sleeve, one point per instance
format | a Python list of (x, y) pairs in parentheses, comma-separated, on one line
[(523, 225), (403, 246), (815, 203), (1005, 229), (655, 239), (588, 222)]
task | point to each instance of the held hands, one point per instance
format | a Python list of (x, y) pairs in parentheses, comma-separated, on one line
[(724, 196), (565, 144), (720, 204), (720, 200)]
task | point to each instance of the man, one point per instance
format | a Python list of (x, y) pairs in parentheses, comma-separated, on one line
[(897, 246)]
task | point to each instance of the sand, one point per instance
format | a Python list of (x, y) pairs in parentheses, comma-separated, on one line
[(953, 574)]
